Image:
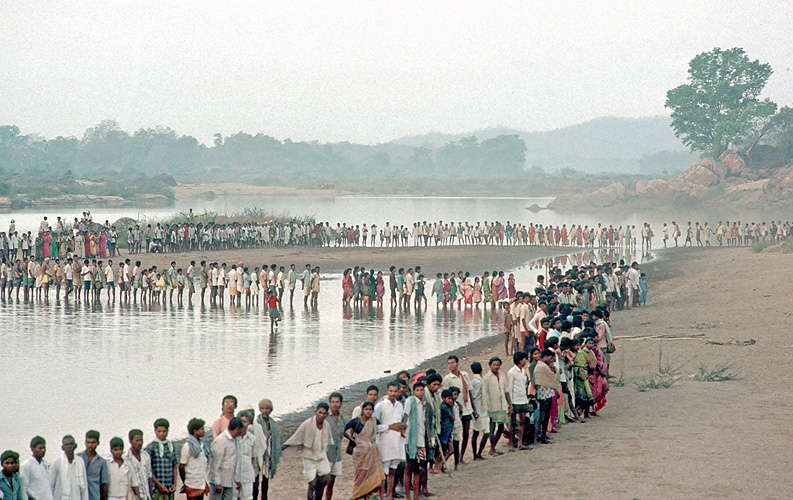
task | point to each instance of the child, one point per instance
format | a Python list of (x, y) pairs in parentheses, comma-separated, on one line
[(457, 435), (447, 423), (160, 287), (272, 306), (144, 285), (120, 484), (420, 296), (163, 460), (180, 285), (643, 289)]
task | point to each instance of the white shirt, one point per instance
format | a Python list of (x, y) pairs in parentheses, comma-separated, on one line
[(195, 470), (390, 442), (420, 421), (78, 490), (518, 384), (451, 380), (109, 275), (141, 470), (35, 478), (224, 461), (69, 271), (120, 480)]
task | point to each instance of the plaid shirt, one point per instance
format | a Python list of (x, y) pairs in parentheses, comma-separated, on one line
[(162, 465), (545, 392)]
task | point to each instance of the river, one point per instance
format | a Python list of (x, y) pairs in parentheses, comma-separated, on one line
[(71, 367)]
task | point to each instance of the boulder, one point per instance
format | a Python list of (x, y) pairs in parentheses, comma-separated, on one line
[(534, 208), (607, 196), (780, 185), (124, 223), (696, 175), (166, 179), (733, 162), (655, 189), (715, 167)]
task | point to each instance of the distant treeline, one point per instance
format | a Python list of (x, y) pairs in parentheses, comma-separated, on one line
[(106, 148)]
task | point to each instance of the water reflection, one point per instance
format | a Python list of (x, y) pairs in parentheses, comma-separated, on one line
[(117, 366), (121, 365)]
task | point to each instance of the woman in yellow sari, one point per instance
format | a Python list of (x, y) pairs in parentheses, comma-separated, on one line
[(369, 473)]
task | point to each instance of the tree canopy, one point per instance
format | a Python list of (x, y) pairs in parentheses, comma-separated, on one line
[(106, 149), (721, 107)]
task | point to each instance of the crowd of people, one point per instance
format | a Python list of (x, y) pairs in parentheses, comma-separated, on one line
[(558, 338), (82, 238)]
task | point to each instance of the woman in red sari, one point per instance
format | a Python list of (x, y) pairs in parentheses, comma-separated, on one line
[(103, 244)]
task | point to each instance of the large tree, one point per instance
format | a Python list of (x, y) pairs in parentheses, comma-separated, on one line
[(720, 108)]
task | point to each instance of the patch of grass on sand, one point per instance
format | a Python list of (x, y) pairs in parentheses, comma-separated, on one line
[(719, 373)]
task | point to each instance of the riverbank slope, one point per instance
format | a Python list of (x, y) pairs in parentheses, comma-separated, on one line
[(692, 440)]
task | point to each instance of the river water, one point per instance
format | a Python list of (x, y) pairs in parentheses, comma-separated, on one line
[(72, 367)]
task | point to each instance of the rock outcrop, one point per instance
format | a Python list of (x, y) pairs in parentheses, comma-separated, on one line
[(780, 185), (727, 180), (605, 197)]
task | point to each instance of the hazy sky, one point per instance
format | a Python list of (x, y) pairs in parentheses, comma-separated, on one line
[(364, 71)]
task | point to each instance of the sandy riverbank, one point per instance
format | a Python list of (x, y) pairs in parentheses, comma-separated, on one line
[(239, 189), (693, 440)]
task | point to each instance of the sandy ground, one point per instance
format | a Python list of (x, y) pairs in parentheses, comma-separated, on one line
[(474, 259), (209, 191), (693, 440)]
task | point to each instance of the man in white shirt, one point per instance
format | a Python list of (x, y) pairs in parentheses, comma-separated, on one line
[(87, 276), (193, 464), (139, 462), (518, 384), (222, 474), (110, 278), (35, 472), (68, 476), (127, 280), (389, 413)]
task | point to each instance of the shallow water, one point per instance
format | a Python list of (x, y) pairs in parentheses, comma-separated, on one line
[(75, 367), (72, 367)]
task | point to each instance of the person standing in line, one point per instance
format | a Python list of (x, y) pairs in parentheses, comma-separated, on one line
[(518, 383), (389, 413), (11, 487), (121, 478), (314, 284), (194, 461), (460, 378), (163, 462), (481, 423), (139, 462), (68, 474), (246, 448), (98, 472), (223, 471), (204, 281), (306, 283), (291, 280), (310, 442), (228, 407), (336, 422), (35, 472), (268, 448)]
